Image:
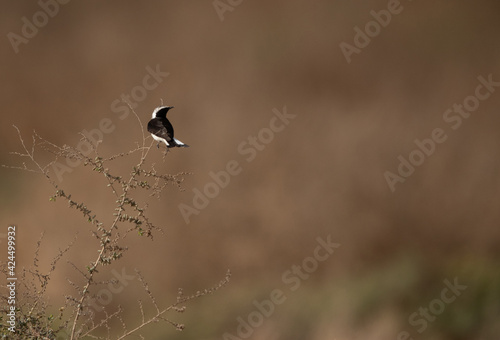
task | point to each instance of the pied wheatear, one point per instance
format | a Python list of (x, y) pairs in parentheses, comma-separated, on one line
[(162, 130)]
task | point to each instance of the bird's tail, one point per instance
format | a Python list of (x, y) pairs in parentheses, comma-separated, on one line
[(180, 144)]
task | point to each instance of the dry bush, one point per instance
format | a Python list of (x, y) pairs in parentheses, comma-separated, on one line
[(75, 319)]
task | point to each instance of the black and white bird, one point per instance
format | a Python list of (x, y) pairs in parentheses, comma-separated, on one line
[(161, 130)]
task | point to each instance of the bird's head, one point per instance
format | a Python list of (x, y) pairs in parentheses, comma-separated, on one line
[(161, 111)]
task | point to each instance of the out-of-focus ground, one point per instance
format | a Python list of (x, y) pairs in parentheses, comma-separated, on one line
[(321, 176)]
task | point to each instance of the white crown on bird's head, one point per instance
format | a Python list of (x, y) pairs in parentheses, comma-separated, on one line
[(158, 109)]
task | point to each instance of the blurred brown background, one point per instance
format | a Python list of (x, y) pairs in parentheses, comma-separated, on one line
[(321, 175)]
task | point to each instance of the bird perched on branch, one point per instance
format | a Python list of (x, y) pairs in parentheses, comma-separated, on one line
[(161, 130)]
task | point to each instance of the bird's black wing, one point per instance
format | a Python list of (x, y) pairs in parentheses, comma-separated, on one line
[(161, 128)]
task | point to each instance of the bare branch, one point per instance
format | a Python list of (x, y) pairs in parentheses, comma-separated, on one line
[(130, 214)]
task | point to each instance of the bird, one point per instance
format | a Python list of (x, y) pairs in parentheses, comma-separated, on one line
[(162, 130)]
